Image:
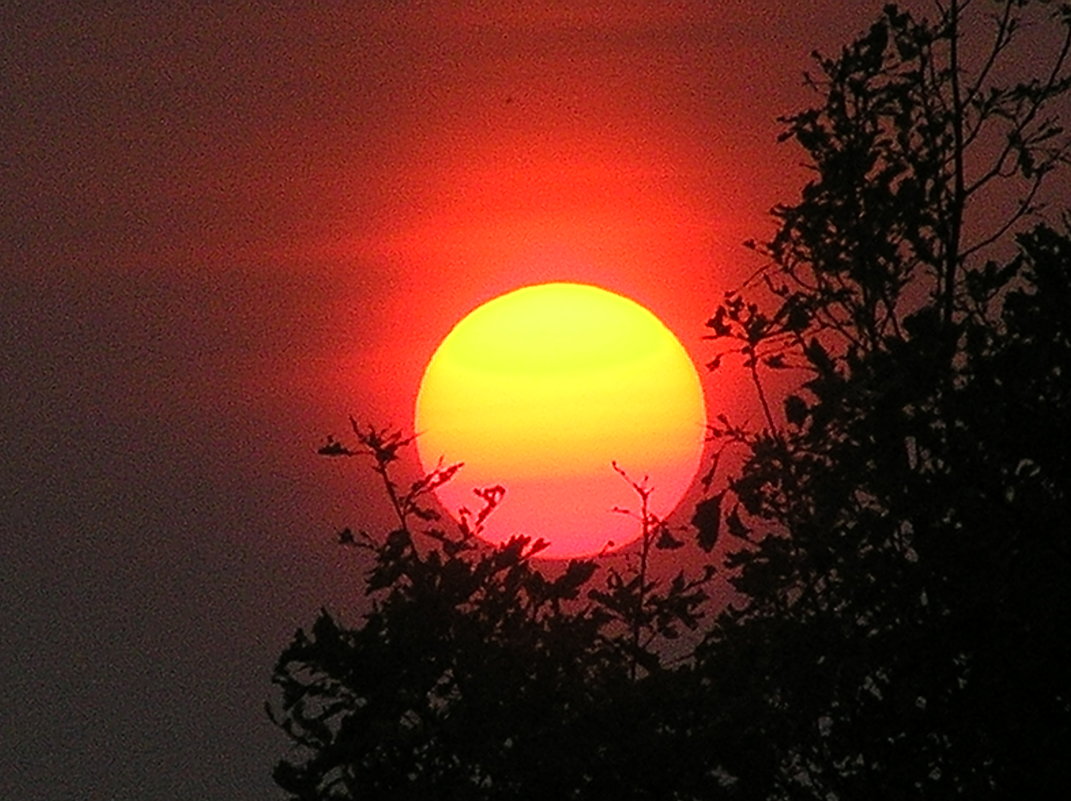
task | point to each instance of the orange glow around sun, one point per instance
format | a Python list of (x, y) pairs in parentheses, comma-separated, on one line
[(540, 390)]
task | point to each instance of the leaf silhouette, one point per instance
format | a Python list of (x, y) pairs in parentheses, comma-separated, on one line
[(707, 521)]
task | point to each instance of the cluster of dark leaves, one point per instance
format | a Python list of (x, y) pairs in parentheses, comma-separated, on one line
[(905, 609), (903, 545), (475, 675)]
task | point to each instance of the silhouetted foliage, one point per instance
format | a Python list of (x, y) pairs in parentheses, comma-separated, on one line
[(900, 635), (475, 675), (896, 534)]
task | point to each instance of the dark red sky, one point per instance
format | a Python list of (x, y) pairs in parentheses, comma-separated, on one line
[(224, 231)]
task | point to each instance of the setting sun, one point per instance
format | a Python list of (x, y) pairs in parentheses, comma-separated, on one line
[(540, 390)]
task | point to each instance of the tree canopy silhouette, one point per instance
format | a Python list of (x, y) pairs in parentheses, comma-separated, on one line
[(895, 535)]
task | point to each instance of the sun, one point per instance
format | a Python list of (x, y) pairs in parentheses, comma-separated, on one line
[(541, 390)]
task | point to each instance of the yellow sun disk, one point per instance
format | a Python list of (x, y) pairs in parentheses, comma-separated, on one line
[(550, 384)]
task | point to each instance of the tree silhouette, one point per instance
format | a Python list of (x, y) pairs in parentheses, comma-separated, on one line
[(903, 559), (474, 675), (896, 533)]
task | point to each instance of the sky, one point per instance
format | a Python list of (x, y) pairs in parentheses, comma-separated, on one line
[(226, 229)]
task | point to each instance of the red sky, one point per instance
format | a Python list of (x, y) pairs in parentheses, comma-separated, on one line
[(226, 230)]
